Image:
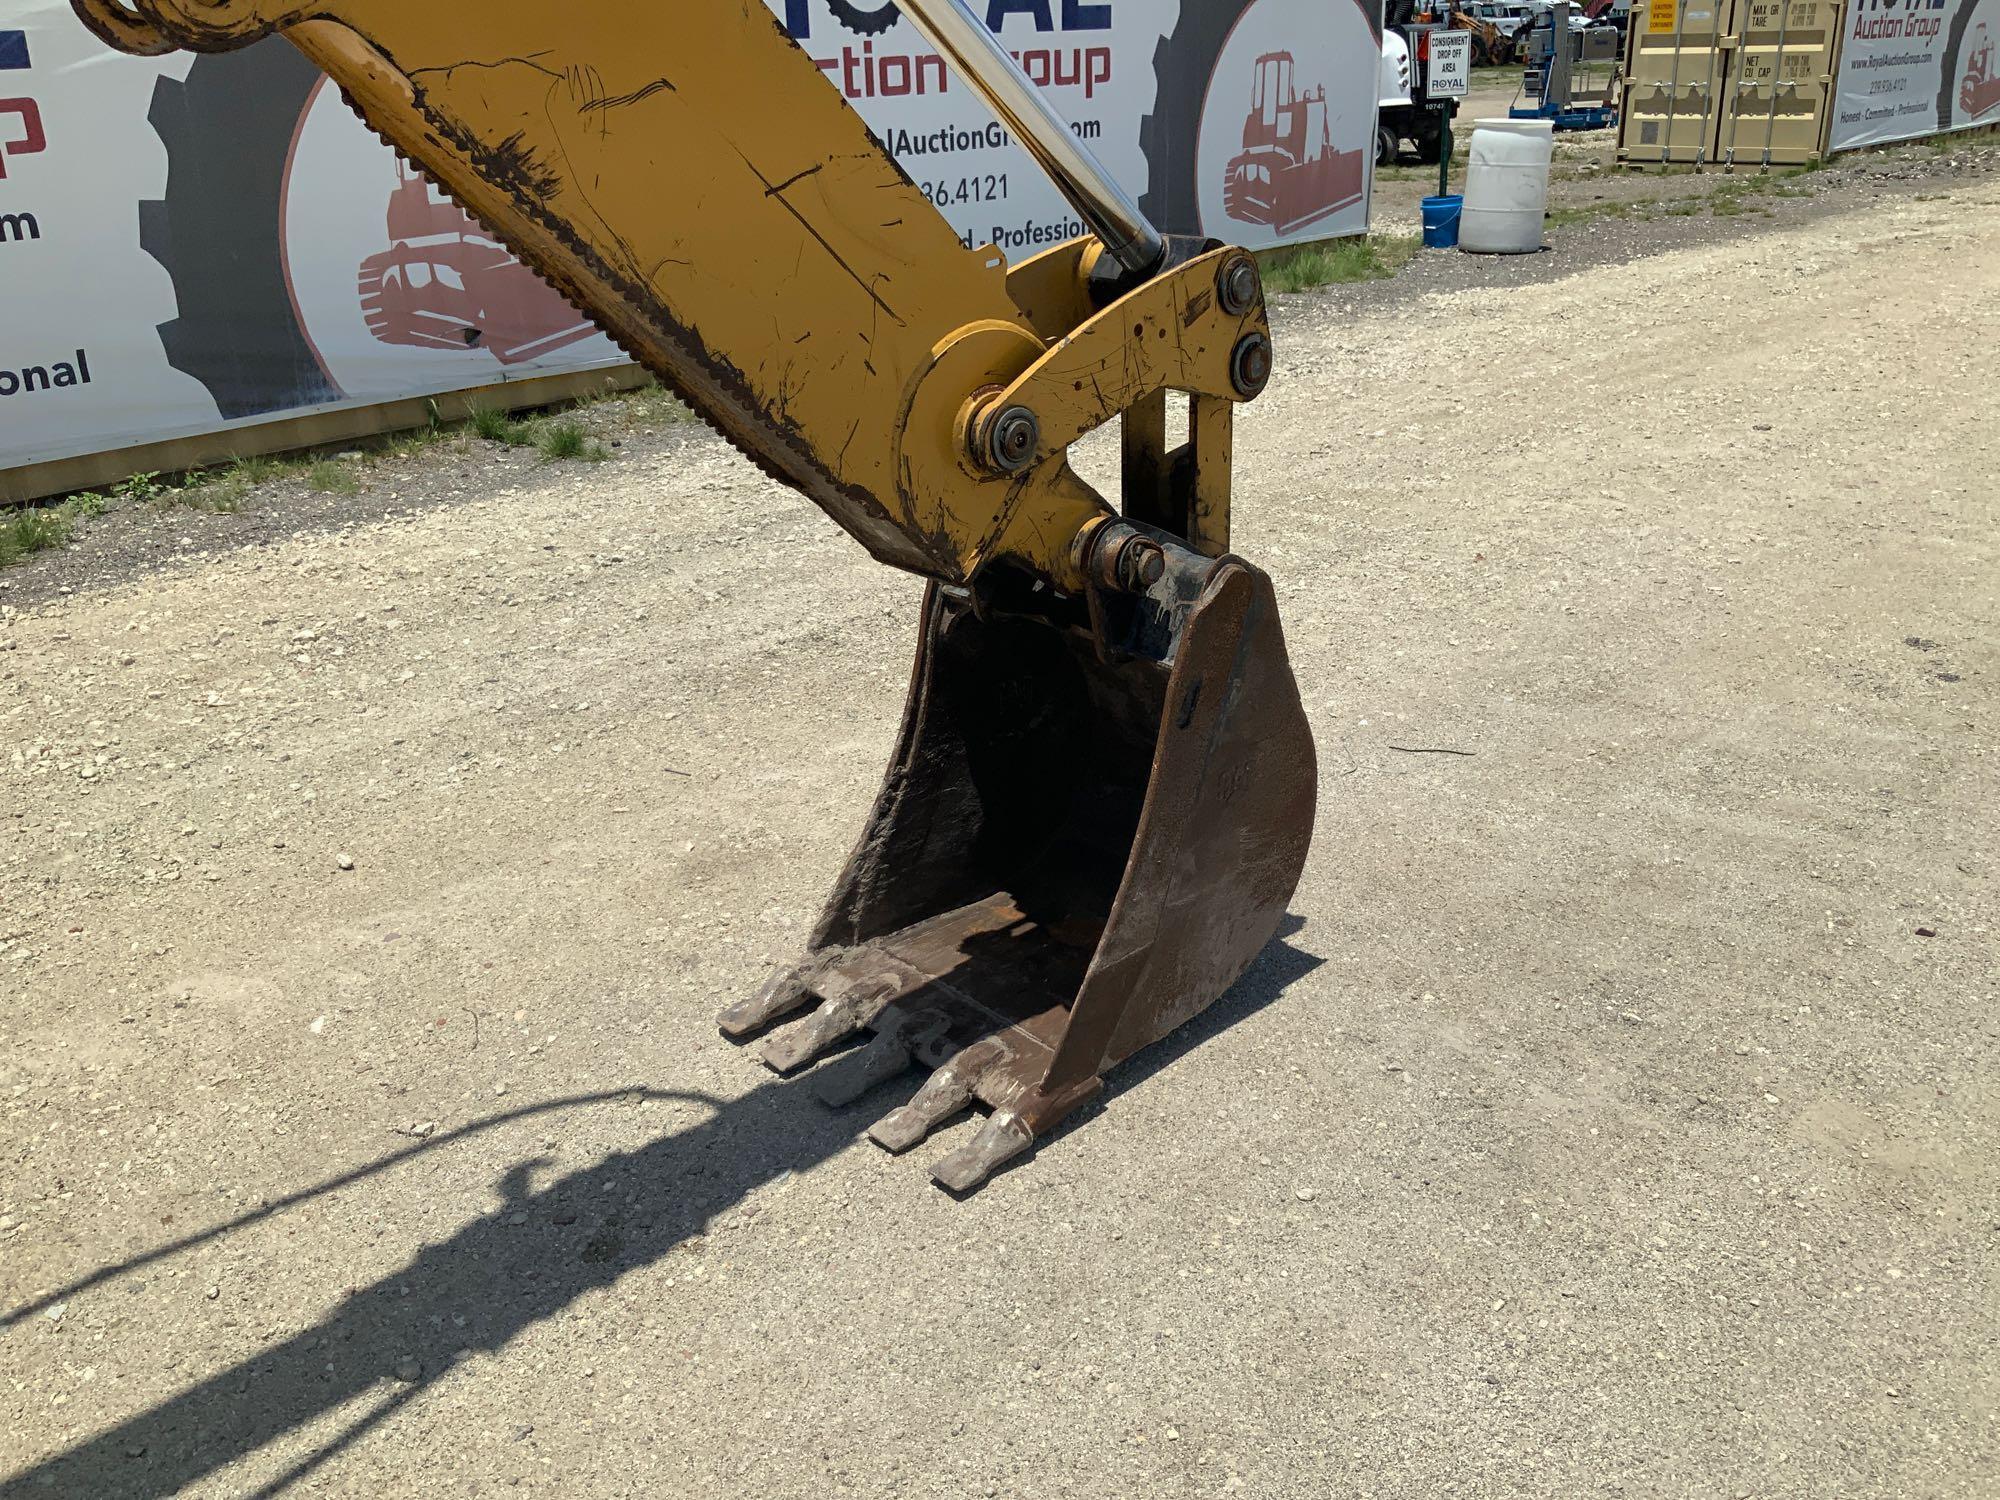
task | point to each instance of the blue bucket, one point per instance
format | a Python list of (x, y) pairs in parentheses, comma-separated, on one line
[(1441, 221)]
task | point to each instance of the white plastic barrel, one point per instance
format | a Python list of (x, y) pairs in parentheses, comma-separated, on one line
[(1506, 186)]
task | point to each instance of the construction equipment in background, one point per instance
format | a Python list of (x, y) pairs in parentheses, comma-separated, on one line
[(1102, 795), (1404, 110), (1614, 14), (1571, 77), (1289, 175), (1491, 47)]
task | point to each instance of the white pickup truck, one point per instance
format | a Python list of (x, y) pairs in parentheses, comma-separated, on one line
[(1400, 116)]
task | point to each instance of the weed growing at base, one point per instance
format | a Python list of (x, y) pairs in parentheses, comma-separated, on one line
[(1333, 262), (34, 529), (331, 477)]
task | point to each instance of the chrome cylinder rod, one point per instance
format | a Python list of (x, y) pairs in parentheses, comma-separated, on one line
[(977, 56)]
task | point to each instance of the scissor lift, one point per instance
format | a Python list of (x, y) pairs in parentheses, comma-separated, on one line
[(1554, 76)]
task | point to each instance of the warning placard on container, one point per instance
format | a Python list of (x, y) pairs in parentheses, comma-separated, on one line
[(1662, 15)]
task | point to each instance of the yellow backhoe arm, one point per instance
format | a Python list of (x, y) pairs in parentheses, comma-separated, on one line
[(686, 176), (1102, 795)]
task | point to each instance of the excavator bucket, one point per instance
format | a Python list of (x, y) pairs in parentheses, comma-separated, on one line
[(1075, 851)]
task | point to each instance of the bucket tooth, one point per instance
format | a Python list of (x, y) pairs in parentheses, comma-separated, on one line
[(802, 1041), (784, 992), (944, 1094), (882, 1059), (857, 989), (1002, 1138), (891, 1051)]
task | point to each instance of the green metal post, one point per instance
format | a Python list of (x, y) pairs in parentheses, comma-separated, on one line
[(1444, 148)]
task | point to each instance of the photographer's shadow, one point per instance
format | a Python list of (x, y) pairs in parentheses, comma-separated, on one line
[(511, 1267)]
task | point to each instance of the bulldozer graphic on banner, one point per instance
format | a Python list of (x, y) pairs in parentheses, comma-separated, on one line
[(1288, 174), (446, 283), (1979, 89)]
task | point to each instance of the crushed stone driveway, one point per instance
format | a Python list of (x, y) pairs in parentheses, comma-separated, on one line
[(1616, 1117)]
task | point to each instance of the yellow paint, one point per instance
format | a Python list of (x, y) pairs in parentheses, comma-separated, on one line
[(687, 175), (1171, 333)]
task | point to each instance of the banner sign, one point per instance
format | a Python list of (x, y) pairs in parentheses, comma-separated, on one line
[(192, 242), (1914, 68)]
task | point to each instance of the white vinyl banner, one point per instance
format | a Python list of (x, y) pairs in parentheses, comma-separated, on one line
[(1914, 68), (193, 242)]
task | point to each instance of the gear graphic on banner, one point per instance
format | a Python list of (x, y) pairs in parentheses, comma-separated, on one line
[(218, 229), (863, 21)]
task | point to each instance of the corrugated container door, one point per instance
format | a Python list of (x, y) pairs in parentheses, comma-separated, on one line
[(1780, 80), (1675, 78)]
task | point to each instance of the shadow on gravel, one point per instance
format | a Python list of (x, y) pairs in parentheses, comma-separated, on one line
[(524, 1261)]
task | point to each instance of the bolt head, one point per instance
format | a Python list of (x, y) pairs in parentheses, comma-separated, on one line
[(1250, 366), (1238, 285), (1142, 563), (1015, 436)]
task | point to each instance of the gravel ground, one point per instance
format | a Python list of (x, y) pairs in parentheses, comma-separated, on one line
[(1616, 1116)]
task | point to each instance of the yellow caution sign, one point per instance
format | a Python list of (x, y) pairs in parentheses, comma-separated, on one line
[(1660, 19)]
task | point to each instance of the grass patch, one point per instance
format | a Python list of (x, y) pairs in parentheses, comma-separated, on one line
[(26, 530), (140, 488), (419, 439), (497, 426), (331, 477), (1608, 208), (561, 440), (223, 494), (34, 529), (555, 437), (1336, 262), (222, 491), (261, 470), (566, 439)]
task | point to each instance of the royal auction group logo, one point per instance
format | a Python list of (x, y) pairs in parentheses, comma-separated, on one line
[(444, 282)]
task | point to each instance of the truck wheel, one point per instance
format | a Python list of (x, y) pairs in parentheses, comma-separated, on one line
[(1387, 146), (1429, 138)]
